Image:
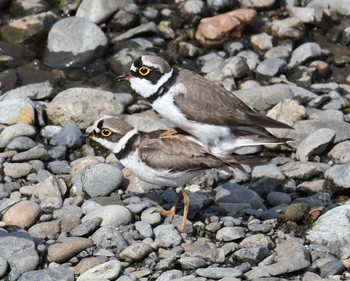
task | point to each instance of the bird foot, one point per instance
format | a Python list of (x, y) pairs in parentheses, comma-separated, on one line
[(170, 213)]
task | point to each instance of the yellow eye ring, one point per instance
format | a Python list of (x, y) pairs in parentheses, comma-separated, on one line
[(106, 132), (144, 70)]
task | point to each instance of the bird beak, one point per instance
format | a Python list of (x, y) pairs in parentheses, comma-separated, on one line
[(124, 77), (90, 135)]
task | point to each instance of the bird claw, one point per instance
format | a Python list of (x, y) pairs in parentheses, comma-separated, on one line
[(170, 213)]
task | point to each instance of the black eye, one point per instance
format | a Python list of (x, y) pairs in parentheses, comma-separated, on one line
[(106, 132), (144, 70)]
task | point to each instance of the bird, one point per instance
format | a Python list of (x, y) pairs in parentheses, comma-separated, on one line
[(162, 157), (215, 116)]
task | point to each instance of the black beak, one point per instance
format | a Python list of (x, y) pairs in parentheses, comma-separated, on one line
[(124, 77)]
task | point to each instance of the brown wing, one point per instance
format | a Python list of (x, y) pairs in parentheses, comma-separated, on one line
[(213, 104), (175, 152)]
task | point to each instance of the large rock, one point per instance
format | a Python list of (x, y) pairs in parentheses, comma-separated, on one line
[(74, 42), (83, 106)]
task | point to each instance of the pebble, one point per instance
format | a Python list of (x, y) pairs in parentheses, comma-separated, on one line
[(57, 273), (23, 214), (230, 233), (167, 235), (304, 52), (13, 131), (113, 215), (65, 248), (218, 272), (135, 252), (105, 271)]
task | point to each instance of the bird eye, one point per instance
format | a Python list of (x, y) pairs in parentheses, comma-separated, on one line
[(144, 70), (106, 132)]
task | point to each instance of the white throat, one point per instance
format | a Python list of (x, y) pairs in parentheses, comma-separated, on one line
[(117, 147), (145, 87)]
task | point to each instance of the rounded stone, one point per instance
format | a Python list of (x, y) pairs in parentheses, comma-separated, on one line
[(136, 252), (23, 214), (113, 215)]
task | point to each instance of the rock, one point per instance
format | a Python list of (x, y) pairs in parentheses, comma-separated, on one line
[(339, 150), (276, 198), (262, 41), (17, 170), (234, 193), (19, 251), (113, 215), (98, 180), (253, 255), (218, 272), (86, 228), (191, 263), (21, 144), (297, 212), (105, 271), (144, 228), (170, 275), (70, 136), (289, 28), (303, 53), (82, 105), (315, 144), (98, 12), (50, 187), (65, 248), (23, 214), (151, 216), (271, 67), (82, 44), (26, 28), (167, 235), (17, 111), (3, 267), (13, 131), (337, 178), (216, 30), (37, 152), (269, 170), (149, 27), (88, 263), (48, 229), (230, 234), (304, 170), (135, 252), (307, 14), (107, 237), (57, 273)]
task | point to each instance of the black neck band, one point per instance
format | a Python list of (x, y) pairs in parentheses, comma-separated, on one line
[(164, 88), (128, 147)]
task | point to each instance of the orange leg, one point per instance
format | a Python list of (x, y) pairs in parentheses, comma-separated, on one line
[(172, 211)]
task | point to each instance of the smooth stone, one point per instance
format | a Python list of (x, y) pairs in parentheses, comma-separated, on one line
[(35, 91), (144, 228), (4, 191), (167, 235), (81, 105), (23, 214), (151, 216), (315, 144), (304, 52), (253, 255), (170, 275), (3, 267), (21, 144), (234, 193), (65, 248), (88, 263), (230, 233), (276, 198), (99, 11), (84, 43), (19, 251), (304, 170), (271, 66), (14, 111), (49, 274), (113, 215), (107, 237), (269, 170), (86, 228), (51, 187), (17, 170), (98, 180), (337, 178), (14, 131), (136, 252), (288, 28), (218, 272), (46, 230), (70, 135), (37, 152), (191, 262), (105, 271)]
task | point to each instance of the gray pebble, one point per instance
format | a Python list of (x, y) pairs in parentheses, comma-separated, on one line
[(107, 237), (14, 131), (86, 228), (276, 198), (21, 144), (37, 152), (191, 262), (230, 233), (151, 216), (49, 274), (3, 267), (304, 52), (98, 180), (218, 272), (144, 228), (167, 235), (315, 144), (70, 136), (105, 271), (169, 275), (253, 255), (4, 191), (135, 252), (271, 66), (59, 167)]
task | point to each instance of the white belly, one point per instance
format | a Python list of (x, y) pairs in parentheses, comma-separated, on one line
[(157, 177)]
